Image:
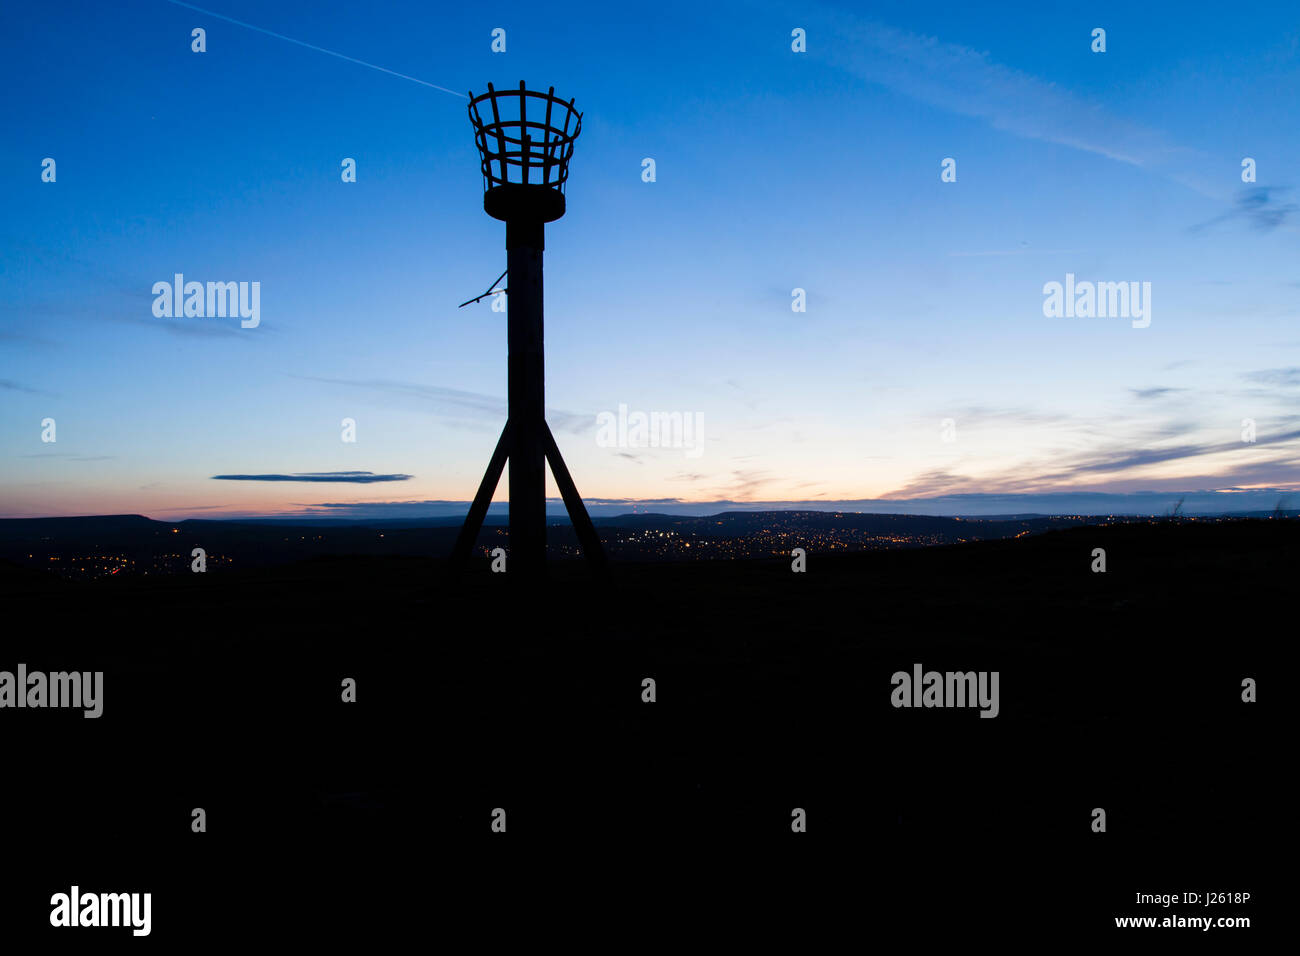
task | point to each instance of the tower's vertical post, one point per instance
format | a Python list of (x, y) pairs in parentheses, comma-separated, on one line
[(527, 397), (523, 186)]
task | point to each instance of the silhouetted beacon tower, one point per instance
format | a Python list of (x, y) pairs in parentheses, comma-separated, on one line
[(525, 140)]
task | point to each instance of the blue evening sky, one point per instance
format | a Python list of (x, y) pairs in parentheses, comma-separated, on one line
[(775, 170)]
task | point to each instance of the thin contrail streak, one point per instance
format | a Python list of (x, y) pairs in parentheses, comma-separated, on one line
[(318, 49)]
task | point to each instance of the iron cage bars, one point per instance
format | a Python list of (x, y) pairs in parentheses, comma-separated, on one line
[(517, 151)]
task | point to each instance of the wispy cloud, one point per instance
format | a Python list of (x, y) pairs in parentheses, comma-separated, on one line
[(96, 313), (1275, 376), (1252, 463), (1121, 460), (746, 483), (1260, 207), (970, 83), (352, 477), (454, 402), (1157, 392), (1013, 252), (11, 386), (987, 414), (69, 456)]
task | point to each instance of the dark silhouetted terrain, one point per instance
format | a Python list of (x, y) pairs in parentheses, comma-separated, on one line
[(222, 690), (132, 545)]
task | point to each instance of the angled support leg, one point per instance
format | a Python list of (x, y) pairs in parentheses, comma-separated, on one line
[(586, 531), (478, 510)]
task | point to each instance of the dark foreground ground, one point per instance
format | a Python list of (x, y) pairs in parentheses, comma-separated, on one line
[(222, 691)]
